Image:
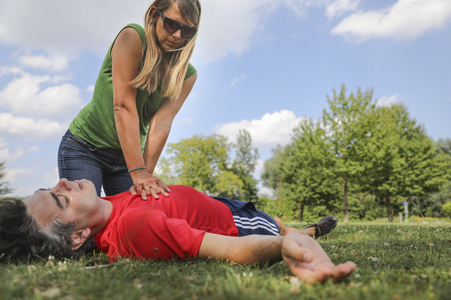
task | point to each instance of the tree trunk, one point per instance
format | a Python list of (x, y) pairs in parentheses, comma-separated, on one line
[(389, 208), (346, 220), (301, 214)]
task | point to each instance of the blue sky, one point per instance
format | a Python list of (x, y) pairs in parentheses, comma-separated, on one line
[(263, 65)]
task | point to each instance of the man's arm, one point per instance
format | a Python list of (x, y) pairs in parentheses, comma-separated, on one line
[(302, 254), (249, 249)]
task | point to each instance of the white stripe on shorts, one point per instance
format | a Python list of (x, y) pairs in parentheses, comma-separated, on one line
[(255, 223)]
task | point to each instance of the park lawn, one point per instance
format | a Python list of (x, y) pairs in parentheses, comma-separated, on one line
[(394, 262)]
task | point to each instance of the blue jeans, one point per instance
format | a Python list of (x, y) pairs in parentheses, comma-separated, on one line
[(78, 159)]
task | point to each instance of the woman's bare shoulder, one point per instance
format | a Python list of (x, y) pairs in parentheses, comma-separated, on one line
[(128, 40)]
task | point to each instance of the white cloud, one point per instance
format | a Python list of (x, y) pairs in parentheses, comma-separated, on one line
[(21, 175), (270, 130), (61, 78), (237, 79), (228, 25), (26, 97), (3, 143), (158, 170), (29, 128), (259, 168), (299, 6), (6, 155), (11, 174), (387, 101), (405, 19), (90, 89), (338, 7), (9, 71), (52, 179), (186, 121), (67, 26), (33, 149), (267, 192), (54, 63)]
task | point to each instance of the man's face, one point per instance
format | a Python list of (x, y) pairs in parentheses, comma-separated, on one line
[(69, 201)]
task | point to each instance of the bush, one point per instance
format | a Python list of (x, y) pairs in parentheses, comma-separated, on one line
[(447, 208)]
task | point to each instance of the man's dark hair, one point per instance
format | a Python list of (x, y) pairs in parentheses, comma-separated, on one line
[(22, 240)]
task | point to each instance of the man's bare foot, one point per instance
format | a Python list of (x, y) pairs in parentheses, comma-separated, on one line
[(282, 227), (284, 230)]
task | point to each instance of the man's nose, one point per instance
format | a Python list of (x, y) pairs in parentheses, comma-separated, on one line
[(64, 184)]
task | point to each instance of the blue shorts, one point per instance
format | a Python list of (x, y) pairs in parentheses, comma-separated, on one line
[(250, 220)]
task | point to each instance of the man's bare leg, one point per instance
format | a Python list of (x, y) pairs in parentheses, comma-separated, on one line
[(287, 229)]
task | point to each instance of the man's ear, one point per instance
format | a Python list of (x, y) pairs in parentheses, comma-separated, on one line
[(79, 237)]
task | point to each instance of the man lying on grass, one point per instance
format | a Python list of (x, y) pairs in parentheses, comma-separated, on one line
[(69, 220)]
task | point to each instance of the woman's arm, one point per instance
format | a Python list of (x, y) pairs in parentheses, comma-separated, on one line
[(126, 56), (161, 123)]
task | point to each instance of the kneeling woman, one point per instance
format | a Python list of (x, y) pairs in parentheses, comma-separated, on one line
[(116, 140)]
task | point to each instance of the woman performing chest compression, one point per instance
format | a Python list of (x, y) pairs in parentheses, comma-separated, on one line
[(116, 140)]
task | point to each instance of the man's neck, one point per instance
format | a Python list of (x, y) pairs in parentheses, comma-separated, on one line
[(106, 208)]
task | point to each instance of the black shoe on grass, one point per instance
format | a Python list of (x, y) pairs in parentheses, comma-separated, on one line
[(324, 226)]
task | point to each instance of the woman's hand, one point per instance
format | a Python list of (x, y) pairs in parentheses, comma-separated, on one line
[(147, 184)]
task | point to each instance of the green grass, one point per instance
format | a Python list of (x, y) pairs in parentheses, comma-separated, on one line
[(394, 262)]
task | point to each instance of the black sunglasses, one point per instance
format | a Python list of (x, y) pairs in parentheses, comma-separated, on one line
[(172, 26)]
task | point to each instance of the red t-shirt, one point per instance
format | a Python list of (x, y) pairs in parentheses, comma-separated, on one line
[(171, 227)]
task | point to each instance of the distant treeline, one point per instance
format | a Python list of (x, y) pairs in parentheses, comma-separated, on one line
[(359, 161)]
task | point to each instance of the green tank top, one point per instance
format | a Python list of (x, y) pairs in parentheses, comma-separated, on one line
[(95, 122)]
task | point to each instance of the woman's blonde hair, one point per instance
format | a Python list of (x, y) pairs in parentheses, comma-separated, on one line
[(173, 74)]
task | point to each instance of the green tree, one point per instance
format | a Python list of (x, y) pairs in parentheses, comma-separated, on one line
[(346, 133), (3, 185), (202, 163), (323, 154), (431, 205), (244, 165), (302, 170), (270, 175), (380, 155), (403, 160), (447, 208), (384, 163), (444, 146), (246, 156)]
